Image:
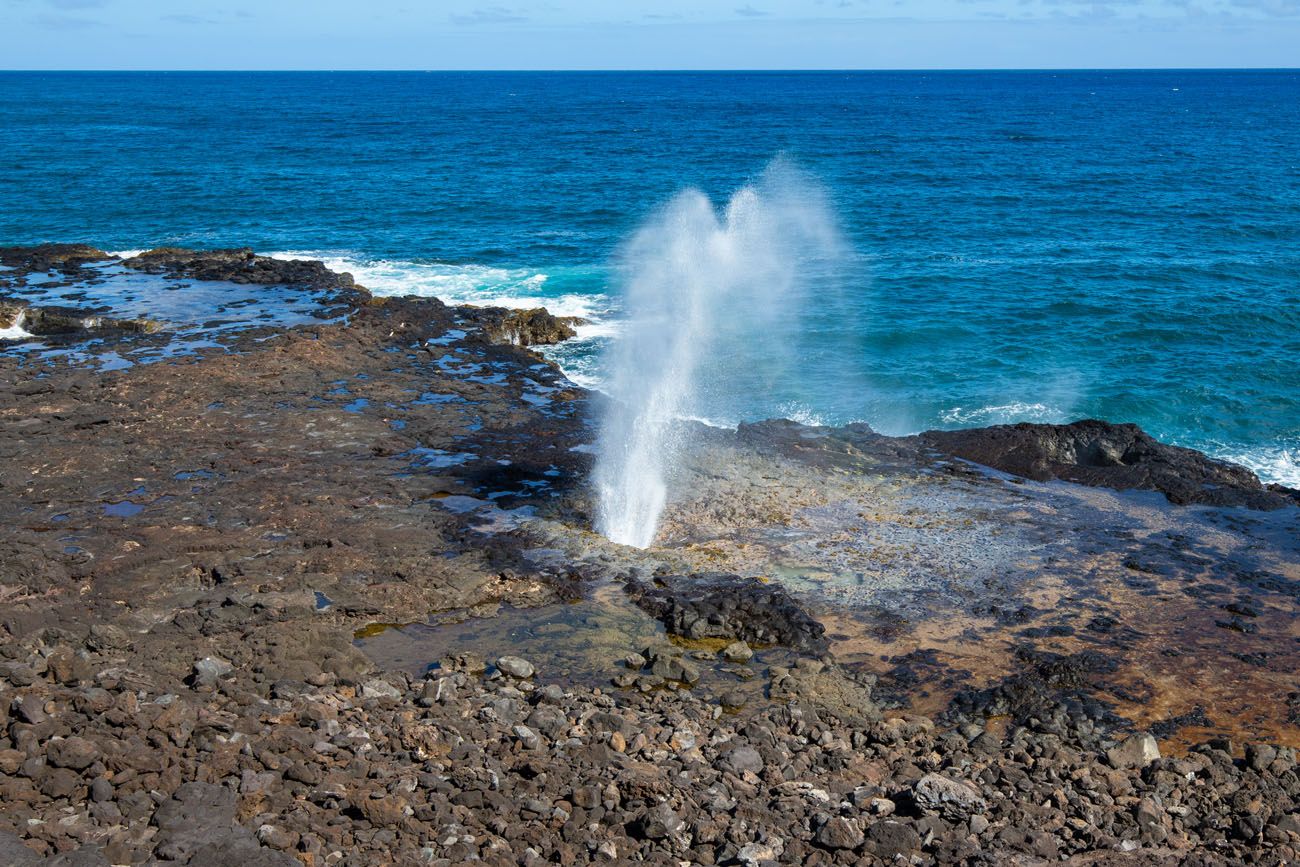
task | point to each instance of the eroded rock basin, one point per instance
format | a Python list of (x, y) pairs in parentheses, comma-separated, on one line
[(941, 579)]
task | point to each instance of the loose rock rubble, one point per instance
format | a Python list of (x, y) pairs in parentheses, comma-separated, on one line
[(374, 768)]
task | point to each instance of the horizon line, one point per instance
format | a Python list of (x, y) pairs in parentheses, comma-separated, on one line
[(672, 70)]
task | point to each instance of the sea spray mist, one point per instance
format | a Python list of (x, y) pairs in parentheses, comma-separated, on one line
[(704, 292)]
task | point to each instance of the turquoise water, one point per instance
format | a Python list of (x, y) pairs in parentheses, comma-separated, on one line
[(1025, 246)]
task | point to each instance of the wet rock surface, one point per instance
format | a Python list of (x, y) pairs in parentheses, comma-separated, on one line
[(729, 607), (535, 327), (190, 548), (1118, 456), (44, 320), (51, 257), (240, 266)]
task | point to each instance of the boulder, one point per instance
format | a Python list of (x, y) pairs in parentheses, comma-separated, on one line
[(890, 840), (740, 609), (535, 327), (74, 752), (1135, 751), (209, 670), (16, 853), (376, 688), (955, 800), (1120, 456), (516, 667), (840, 833), (740, 760), (657, 823), (737, 651)]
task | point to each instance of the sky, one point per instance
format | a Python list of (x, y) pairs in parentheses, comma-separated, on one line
[(641, 34)]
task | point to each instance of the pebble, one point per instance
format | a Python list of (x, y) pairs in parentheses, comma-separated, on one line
[(209, 670)]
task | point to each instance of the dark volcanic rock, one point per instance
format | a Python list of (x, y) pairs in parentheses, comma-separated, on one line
[(535, 327), (732, 607), (1102, 454), (239, 266), (1051, 692), (198, 826), (68, 320), (51, 257), (14, 853), (74, 752)]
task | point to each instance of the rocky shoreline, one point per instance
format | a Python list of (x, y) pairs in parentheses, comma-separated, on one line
[(204, 549)]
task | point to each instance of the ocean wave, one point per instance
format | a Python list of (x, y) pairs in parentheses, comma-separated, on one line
[(708, 422), (489, 286), (803, 415), (479, 285), (1277, 464), (15, 331), (124, 254), (1006, 413)]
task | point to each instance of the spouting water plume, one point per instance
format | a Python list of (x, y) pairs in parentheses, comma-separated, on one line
[(703, 292)]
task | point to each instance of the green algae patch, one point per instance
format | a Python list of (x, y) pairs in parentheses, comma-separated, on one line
[(373, 629)]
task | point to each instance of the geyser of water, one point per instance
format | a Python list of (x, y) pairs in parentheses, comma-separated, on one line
[(702, 292)]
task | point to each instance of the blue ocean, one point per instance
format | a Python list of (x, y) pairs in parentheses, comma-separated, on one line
[(1025, 246)]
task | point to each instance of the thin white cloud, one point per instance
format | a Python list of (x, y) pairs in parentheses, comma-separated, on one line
[(1274, 8), (489, 15), (185, 18), (65, 23)]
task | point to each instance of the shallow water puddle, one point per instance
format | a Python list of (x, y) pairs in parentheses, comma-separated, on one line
[(188, 314), (575, 642), (124, 509), (489, 518)]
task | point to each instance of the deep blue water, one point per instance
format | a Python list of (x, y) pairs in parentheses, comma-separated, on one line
[(1032, 245)]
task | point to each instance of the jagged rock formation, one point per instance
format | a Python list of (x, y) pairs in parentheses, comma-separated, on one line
[(1121, 456)]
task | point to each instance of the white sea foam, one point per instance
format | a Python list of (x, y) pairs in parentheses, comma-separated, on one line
[(124, 254), (480, 285), (718, 423), (803, 415), (1277, 464), (1005, 413), (487, 286), (455, 284), (16, 331)]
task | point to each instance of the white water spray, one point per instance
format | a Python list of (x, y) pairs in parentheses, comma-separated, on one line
[(702, 291)]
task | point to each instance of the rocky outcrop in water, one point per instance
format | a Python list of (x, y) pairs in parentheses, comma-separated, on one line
[(535, 327), (41, 320), (1102, 454), (730, 607), (239, 266), (51, 257)]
